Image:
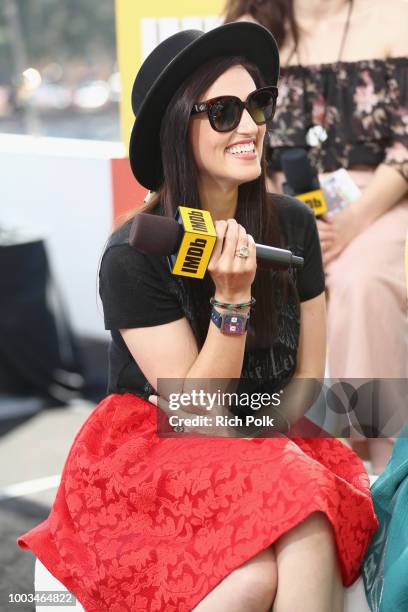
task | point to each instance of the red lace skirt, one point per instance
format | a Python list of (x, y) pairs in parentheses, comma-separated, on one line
[(141, 523)]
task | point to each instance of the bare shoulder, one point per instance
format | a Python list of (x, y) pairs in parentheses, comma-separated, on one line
[(391, 23)]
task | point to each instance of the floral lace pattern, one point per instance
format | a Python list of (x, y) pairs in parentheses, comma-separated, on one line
[(362, 105), (142, 523)]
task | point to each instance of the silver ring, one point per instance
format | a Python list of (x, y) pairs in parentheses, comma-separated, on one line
[(243, 252)]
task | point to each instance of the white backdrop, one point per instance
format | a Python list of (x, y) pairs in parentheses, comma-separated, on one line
[(60, 189)]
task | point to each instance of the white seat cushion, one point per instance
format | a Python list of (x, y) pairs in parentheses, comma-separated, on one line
[(355, 598), (45, 581)]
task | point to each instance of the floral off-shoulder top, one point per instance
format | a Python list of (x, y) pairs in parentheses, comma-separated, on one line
[(362, 105)]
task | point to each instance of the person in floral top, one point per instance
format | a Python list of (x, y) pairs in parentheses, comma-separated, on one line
[(345, 69)]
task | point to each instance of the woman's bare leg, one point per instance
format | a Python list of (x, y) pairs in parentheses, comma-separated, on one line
[(309, 574), (249, 588)]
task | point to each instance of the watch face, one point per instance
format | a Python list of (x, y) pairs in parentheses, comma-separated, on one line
[(233, 323)]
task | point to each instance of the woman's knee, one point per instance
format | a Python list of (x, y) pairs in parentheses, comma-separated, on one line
[(319, 524), (314, 531), (251, 587), (257, 579)]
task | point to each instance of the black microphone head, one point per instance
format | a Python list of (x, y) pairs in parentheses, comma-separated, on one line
[(155, 234), (298, 171)]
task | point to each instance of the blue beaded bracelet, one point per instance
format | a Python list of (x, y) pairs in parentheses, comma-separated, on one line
[(229, 306)]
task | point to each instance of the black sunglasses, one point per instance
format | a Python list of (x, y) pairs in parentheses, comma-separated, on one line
[(225, 112)]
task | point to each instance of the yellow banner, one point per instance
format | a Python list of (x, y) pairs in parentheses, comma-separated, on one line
[(141, 25)]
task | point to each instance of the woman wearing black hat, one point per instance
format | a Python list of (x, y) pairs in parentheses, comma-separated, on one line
[(143, 522)]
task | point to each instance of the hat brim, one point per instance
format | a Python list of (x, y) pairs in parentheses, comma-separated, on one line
[(248, 39)]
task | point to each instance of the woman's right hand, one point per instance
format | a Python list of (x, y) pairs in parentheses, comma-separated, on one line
[(232, 275)]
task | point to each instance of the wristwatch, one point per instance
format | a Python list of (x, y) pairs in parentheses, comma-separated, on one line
[(231, 323)]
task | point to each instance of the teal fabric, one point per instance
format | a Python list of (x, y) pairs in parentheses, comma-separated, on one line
[(385, 566)]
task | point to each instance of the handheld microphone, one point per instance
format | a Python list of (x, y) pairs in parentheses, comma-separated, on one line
[(189, 239), (301, 180)]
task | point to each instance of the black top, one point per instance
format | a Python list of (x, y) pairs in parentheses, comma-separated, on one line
[(138, 290), (361, 104)]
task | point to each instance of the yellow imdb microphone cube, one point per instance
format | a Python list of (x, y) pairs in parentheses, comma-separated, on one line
[(199, 237), (315, 200)]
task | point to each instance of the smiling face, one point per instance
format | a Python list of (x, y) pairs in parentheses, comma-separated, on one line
[(228, 158)]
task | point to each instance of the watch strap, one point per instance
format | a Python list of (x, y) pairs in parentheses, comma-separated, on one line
[(231, 323)]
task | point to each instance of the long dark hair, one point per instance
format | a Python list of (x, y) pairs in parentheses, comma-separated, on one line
[(258, 215), (277, 16)]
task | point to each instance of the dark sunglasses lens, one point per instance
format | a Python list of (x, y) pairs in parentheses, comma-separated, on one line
[(262, 106), (225, 115)]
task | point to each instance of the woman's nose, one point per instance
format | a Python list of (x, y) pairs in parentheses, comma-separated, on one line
[(247, 124)]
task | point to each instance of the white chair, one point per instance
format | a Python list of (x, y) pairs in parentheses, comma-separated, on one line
[(355, 598), (45, 581)]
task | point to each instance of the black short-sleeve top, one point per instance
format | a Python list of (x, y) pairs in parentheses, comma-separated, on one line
[(138, 290), (363, 106)]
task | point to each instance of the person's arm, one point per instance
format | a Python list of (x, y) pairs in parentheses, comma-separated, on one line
[(170, 352), (385, 189), (389, 182), (298, 396)]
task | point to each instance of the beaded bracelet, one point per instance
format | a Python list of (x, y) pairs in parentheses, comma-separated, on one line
[(228, 306)]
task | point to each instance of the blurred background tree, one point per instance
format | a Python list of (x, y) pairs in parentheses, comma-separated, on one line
[(58, 64), (60, 31)]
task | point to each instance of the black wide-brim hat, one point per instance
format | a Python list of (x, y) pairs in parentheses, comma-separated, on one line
[(169, 65)]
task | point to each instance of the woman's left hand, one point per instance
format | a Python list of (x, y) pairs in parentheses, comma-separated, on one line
[(203, 428), (336, 232)]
